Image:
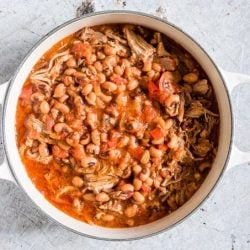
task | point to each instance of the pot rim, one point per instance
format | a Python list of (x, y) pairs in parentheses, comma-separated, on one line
[(99, 13)]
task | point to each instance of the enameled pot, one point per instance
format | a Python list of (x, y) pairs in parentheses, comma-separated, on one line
[(223, 83)]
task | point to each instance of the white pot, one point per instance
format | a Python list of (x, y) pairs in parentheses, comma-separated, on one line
[(223, 83)]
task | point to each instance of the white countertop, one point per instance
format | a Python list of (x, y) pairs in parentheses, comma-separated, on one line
[(223, 29)]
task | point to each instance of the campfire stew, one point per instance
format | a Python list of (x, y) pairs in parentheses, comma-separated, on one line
[(117, 125)]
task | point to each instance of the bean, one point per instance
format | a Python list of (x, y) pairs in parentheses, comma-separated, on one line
[(100, 55), (68, 80), (98, 66), (59, 90), (204, 165), (132, 84), (77, 181), (149, 182), (87, 89), (137, 169), (158, 141), (69, 72), (43, 150), (107, 217), (71, 63), (138, 197), (127, 188), (122, 100), (85, 139), (190, 78), (109, 86), (37, 96), (145, 157), (145, 173), (131, 211), (157, 181), (102, 197), (118, 70), (95, 137), (92, 120), (154, 152), (91, 98), (44, 107), (169, 123), (61, 126), (174, 141), (147, 66), (93, 149), (89, 197), (88, 161), (156, 67), (137, 184), (124, 141), (109, 50), (62, 107), (104, 137), (101, 77), (73, 138)]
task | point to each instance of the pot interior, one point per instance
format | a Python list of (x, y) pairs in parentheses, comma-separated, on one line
[(97, 19)]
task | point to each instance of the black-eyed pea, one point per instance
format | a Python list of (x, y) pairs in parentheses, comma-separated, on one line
[(191, 78), (137, 169), (87, 89), (61, 126), (91, 98), (77, 181), (100, 55), (157, 181), (138, 197), (101, 77), (44, 107), (60, 90), (158, 141), (109, 50), (70, 72), (68, 80), (102, 197), (145, 173), (92, 120), (149, 182), (62, 107), (154, 152), (127, 188), (169, 123), (132, 84), (156, 67), (71, 63), (204, 165), (137, 184), (131, 211), (98, 66), (95, 137), (43, 150), (109, 86), (147, 66), (89, 197), (124, 141), (88, 161), (145, 157), (107, 217), (174, 141), (118, 70), (130, 222)]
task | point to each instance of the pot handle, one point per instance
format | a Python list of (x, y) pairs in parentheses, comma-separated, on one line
[(232, 80), (4, 168)]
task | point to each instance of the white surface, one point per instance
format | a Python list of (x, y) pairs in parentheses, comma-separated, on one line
[(223, 30)]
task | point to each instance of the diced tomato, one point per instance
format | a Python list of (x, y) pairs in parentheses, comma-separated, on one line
[(49, 122), (163, 147), (145, 189), (26, 92), (149, 113), (157, 133), (59, 152), (112, 143), (136, 153), (153, 90), (81, 50), (162, 97)]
